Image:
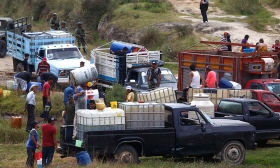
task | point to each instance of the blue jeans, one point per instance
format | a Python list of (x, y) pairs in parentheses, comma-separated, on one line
[(47, 155), (30, 157), (204, 15)]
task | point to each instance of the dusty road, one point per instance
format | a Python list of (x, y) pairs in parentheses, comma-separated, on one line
[(6, 70)]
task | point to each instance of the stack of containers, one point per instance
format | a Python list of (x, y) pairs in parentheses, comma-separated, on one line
[(161, 95), (143, 115), (94, 120)]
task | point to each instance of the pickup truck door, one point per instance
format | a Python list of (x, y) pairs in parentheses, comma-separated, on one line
[(267, 123), (271, 100), (193, 140)]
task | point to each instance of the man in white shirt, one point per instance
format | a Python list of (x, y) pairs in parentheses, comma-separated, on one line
[(30, 106), (194, 81)]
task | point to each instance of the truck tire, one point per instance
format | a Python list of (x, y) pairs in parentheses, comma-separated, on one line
[(126, 154), (3, 48), (233, 152)]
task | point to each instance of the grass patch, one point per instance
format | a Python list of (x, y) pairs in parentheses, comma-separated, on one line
[(258, 16), (272, 3), (173, 68)]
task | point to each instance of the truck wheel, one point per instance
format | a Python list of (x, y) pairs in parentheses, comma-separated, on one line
[(3, 48), (233, 152), (126, 154)]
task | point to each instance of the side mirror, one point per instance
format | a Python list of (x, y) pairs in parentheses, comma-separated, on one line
[(203, 128)]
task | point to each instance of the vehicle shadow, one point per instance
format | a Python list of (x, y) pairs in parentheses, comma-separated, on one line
[(270, 144)]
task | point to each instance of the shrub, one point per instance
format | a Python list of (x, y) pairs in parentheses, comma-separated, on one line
[(117, 93), (183, 30), (151, 37)]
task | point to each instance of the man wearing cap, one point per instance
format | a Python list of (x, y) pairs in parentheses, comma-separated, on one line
[(22, 79), (153, 76), (80, 103), (32, 144), (129, 94), (30, 106), (261, 46), (54, 22), (49, 142), (63, 26), (80, 35), (224, 39), (43, 66), (25, 66), (211, 81)]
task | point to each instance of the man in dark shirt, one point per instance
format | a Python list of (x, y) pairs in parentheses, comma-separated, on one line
[(122, 64), (45, 75), (25, 66), (153, 76), (22, 79)]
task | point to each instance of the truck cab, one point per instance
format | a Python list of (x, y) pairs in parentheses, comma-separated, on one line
[(270, 84), (136, 78), (6, 24), (268, 98), (62, 59)]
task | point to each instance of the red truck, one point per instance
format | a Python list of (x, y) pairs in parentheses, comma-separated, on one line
[(239, 67), (270, 84), (268, 98)]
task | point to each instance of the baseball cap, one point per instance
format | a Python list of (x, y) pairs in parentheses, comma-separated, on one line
[(154, 62), (26, 54), (225, 32), (44, 59), (82, 62), (261, 39), (51, 118), (208, 67), (33, 123), (128, 87)]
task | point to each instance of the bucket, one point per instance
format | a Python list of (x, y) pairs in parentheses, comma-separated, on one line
[(83, 158), (37, 155), (114, 104), (84, 74), (39, 163), (10, 84), (6, 93), (224, 83), (16, 122), (92, 94)]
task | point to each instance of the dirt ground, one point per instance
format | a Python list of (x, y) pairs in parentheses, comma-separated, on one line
[(6, 70), (187, 9)]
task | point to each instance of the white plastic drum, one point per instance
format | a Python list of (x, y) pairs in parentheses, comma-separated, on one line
[(235, 85), (82, 75), (202, 101)]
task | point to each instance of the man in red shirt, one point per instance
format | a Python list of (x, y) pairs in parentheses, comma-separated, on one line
[(276, 46), (47, 97), (43, 66), (49, 142), (211, 81)]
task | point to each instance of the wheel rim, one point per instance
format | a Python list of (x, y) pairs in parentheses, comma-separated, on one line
[(233, 153), (126, 157)]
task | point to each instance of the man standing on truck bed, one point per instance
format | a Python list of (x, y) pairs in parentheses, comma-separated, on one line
[(122, 64), (211, 81), (29, 29), (80, 35), (54, 22), (153, 76), (194, 81), (63, 26)]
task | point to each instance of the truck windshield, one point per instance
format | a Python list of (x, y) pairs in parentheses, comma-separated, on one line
[(166, 77), (63, 53), (274, 87)]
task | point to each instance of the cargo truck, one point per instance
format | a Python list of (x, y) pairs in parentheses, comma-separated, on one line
[(186, 131), (132, 70), (58, 47), (239, 67)]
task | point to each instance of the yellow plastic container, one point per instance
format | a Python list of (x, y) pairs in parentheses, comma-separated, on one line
[(1, 91), (6, 93), (100, 106), (114, 104)]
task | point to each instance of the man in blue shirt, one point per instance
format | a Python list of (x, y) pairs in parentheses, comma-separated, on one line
[(68, 92)]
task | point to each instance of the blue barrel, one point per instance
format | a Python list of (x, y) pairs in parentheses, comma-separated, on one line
[(83, 158), (116, 45), (32, 83), (248, 50), (224, 83)]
